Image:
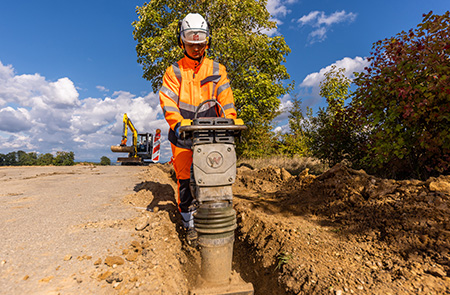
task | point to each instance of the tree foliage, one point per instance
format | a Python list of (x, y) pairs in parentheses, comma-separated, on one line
[(258, 142), (254, 61), (45, 159), (26, 159), (105, 161), (9, 159), (334, 133), (405, 97), (295, 142), (21, 158), (64, 159)]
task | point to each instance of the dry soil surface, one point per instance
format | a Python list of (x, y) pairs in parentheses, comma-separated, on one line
[(116, 230)]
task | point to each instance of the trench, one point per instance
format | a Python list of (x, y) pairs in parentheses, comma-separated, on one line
[(249, 265), (246, 263)]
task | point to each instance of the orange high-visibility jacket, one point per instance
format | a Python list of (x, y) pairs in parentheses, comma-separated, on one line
[(186, 84)]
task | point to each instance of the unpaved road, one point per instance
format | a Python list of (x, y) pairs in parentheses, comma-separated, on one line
[(45, 245)]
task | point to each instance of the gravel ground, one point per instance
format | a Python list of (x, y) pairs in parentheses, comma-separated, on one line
[(57, 221)]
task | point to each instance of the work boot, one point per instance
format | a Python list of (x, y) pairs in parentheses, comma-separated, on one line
[(191, 236)]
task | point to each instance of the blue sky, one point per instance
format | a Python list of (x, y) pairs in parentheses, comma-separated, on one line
[(68, 69)]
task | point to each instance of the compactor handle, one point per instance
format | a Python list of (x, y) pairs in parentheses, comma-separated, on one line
[(209, 100), (201, 125), (191, 128)]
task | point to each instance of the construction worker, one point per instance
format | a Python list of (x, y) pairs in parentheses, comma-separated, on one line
[(187, 83)]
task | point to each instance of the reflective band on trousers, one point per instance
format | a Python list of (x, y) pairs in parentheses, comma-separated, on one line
[(188, 219)]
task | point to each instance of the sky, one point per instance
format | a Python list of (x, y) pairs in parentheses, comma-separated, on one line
[(69, 70)]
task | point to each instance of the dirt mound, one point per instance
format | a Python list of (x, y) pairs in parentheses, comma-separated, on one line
[(410, 217), (347, 231), (268, 179)]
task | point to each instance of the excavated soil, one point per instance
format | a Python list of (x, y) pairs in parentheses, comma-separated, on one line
[(346, 232), (342, 232)]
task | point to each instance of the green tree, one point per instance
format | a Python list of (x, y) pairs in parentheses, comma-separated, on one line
[(21, 157), (44, 159), (64, 159), (2, 159), (26, 159), (254, 61), (258, 142), (10, 159), (405, 97), (105, 161), (334, 134), (295, 142)]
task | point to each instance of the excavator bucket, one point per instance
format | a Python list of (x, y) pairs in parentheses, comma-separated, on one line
[(121, 149)]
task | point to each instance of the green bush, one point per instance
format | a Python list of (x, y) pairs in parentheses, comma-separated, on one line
[(404, 98), (105, 161), (64, 159)]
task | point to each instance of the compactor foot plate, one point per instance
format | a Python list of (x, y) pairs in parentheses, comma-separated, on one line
[(236, 286)]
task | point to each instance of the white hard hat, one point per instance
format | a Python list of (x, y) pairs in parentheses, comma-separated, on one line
[(194, 29)]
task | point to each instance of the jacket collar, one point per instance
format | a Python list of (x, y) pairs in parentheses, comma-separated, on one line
[(192, 63)]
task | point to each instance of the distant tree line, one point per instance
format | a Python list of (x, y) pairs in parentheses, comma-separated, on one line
[(21, 158)]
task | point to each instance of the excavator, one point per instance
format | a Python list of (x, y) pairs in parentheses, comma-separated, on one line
[(145, 147)]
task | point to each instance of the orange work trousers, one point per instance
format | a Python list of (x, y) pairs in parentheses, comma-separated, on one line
[(182, 162)]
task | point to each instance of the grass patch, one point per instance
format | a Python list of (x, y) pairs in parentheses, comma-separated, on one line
[(283, 258)]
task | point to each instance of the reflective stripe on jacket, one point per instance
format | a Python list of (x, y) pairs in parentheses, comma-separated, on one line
[(186, 84)]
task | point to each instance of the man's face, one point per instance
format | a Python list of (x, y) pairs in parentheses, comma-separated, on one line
[(195, 50)]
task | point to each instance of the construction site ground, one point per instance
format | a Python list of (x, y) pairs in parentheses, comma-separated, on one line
[(116, 230)]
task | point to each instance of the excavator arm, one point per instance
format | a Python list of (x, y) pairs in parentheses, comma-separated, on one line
[(127, 123)]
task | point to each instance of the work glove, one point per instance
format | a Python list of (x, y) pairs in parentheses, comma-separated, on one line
[(176, 129)]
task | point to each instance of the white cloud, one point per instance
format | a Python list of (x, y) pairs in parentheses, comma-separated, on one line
[(350, 65), (308, 19), (311, 83), (16, 143), (318, 34), (102, 88), (278, 9), (337, 17), (322, 22), (283, 129), (14, 120), (45, 116), (310, 88), (285, 104), (60, 94)]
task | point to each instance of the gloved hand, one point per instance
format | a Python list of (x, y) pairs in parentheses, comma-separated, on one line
[(176, 129)]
